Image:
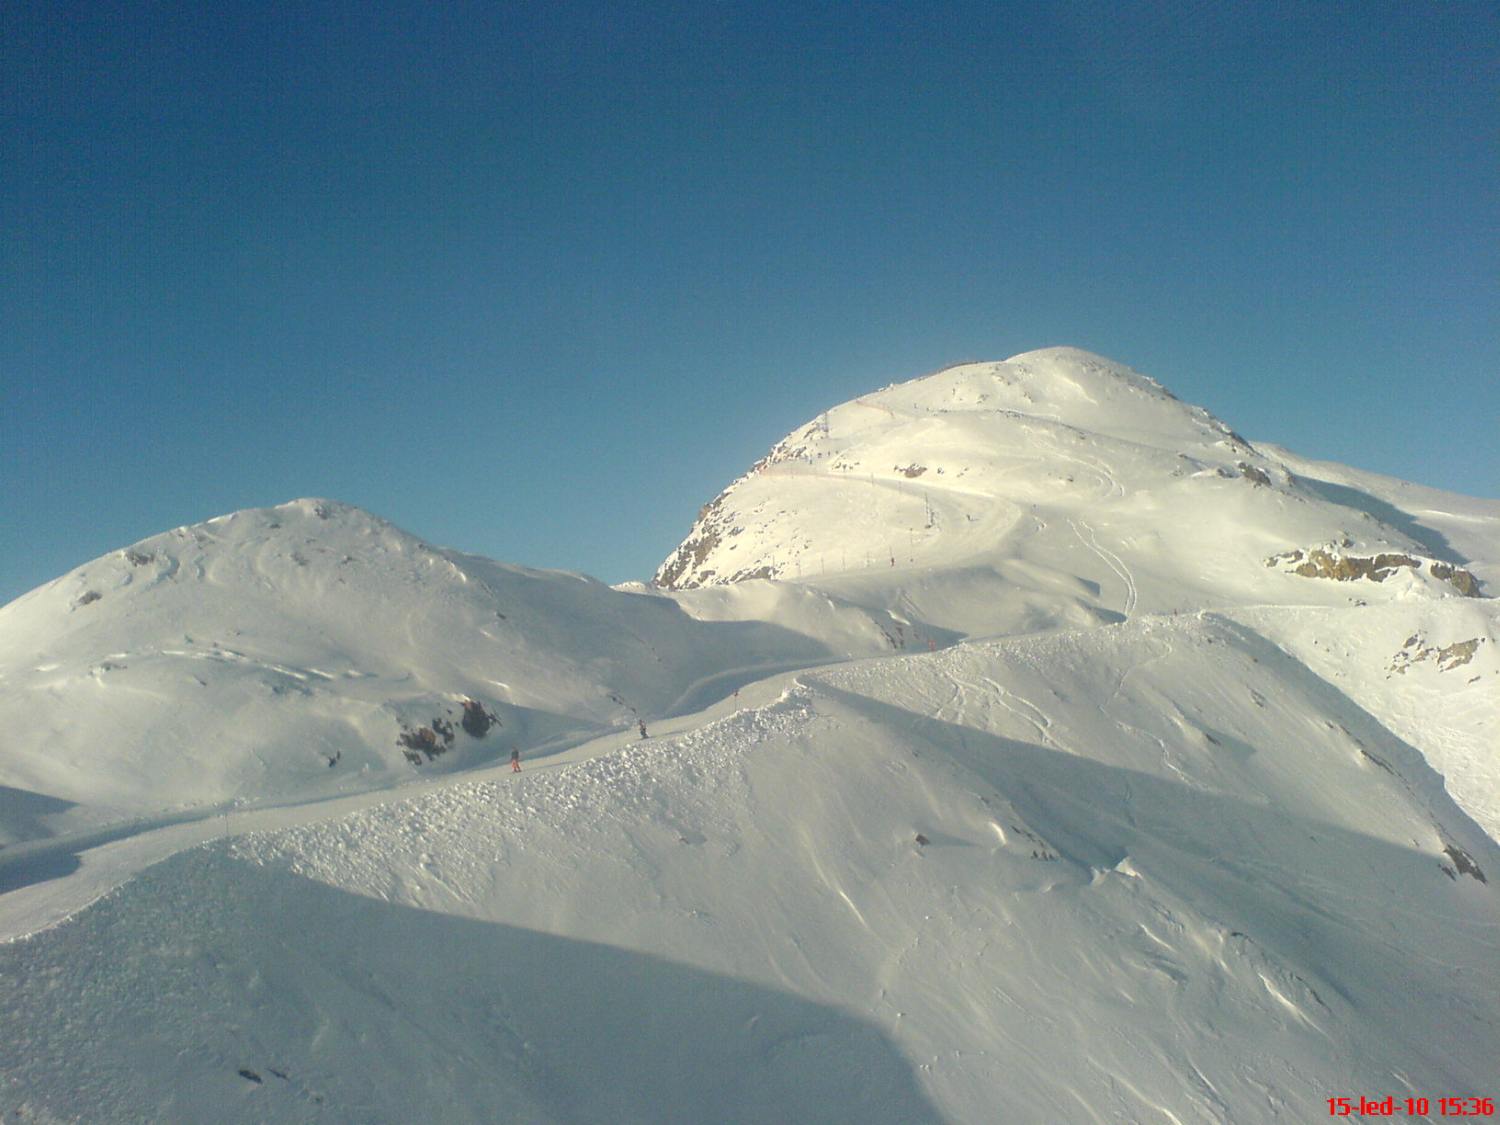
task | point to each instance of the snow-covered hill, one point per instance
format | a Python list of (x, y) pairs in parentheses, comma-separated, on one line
[(1025, 746), (294, 652)]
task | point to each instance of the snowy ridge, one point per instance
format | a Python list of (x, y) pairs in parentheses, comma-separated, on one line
[(1017, 743), (284, 653)]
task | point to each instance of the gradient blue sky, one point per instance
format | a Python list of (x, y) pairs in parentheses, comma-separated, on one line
[(537, 280)]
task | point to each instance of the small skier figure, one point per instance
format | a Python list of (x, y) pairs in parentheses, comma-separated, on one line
[(643, 728), (515, 759)]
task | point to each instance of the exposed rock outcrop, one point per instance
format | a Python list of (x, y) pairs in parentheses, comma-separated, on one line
[(1416, 650), (1330, 562)]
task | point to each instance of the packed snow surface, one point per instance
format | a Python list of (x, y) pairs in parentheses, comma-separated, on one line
[(1021, 744)]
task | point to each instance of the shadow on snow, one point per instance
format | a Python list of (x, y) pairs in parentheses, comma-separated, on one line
[(345, 1007)]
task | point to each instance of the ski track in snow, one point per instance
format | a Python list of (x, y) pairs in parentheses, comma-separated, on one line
[(1165, 651), (1111, 485), (1110, 559), (956, 709), (1038, 718)]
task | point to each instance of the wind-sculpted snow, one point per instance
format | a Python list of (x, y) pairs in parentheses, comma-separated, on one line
[(226, 991)]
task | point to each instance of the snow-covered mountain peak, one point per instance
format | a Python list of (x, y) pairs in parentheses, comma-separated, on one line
[(312, 519), (1064, 385), (1083, 367), (940, 470), (1072, 486), (1066, 374), (294, 551)]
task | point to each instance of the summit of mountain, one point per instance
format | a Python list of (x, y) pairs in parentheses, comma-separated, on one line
[(1077, 487)]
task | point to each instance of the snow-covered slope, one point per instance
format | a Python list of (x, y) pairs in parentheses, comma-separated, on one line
[(1060, 489), (1151, 873), (1051, 466), (292, 652), (1025, 746)]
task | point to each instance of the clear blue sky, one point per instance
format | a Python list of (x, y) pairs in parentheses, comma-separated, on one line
[(537, 280)]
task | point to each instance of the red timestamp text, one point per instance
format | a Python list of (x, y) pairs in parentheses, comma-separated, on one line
[(1392, 1106)]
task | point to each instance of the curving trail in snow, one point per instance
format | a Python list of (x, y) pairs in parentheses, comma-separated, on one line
[(1033, 714), (1110, 559)]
